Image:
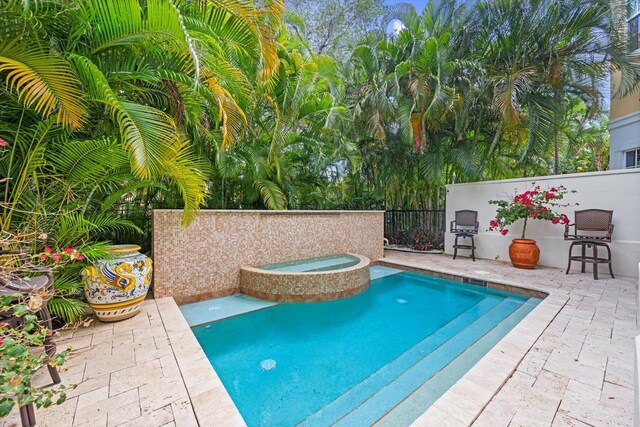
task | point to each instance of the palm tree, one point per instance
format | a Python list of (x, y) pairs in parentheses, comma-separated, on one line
[(127, 64)]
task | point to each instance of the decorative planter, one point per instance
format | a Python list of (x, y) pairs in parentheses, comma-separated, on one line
[(524, 253), (116, 287)]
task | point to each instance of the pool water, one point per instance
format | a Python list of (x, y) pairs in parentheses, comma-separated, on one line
[(331, 263), (383, 355)]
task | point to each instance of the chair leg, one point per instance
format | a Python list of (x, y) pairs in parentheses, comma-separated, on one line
[(32, 414), (595, 262), (50, 345), (570, 250), (473, 249), (24, 417), (610, 261), (584, 255), (455, 248), (28, 415)]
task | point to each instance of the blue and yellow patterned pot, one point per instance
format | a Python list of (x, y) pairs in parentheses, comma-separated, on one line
[(116, 287)]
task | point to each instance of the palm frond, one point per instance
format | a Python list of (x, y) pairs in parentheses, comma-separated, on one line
[(43, 82)]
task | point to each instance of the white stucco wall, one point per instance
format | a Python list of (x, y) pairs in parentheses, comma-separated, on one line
[(617, 190), (624, 135)]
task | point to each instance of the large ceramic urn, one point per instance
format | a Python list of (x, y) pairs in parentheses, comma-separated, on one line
[(115, 287), (524, 253)]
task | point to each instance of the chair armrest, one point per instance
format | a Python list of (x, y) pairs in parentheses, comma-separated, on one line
[(566, 230), (22, 255), (26, 267), (452, 227), (475, 228), (610, 232)]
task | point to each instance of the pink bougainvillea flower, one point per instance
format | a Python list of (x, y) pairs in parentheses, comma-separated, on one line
[(68, 250), (565, 219), (47, 249), (555, 220), (80, 257), (43, 257), (493, 223), (56, 256), (3, 143), (553, 189), (504, 232)]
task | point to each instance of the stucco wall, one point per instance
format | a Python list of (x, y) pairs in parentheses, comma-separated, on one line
[(614, 190), (204, 259), (624, 136)]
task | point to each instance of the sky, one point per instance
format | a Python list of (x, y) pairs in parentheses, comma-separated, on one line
[(418, 4)]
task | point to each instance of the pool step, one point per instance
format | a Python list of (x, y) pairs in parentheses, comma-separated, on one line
[(362, 391), (386, 398), (417, 403)]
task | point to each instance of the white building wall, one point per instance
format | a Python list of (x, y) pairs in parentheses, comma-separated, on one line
[(617, 190), (624, 136)]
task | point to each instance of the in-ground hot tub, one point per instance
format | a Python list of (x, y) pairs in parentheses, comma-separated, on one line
[(314, 279)]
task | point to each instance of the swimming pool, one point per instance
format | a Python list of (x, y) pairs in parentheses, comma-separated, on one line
[(384, 355)]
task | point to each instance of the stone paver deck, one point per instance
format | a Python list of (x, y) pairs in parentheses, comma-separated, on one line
[(149, 370)]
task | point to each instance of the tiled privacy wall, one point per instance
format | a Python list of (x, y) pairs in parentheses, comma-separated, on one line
[(203, 260)]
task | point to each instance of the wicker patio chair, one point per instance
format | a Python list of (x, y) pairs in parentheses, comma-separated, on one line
[(466, 226), (31, 280), (592, 229)]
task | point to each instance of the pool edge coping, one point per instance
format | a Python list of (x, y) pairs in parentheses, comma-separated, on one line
[(476, 388), (201, 380)]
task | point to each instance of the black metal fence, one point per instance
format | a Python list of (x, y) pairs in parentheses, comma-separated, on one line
[(416, 229)]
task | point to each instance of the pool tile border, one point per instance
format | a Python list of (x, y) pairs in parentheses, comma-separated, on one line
[(467, 398)]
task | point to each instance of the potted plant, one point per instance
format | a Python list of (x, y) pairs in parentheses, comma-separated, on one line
[(535, 203)]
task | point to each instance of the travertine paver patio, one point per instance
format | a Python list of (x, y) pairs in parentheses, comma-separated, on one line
[(148, 371)]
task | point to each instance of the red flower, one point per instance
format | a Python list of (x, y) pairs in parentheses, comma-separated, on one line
[(3, 143), (565, 219), (555, 220), (549, 196), (80, 257), (43, 257), (56, 256), (504, 232), (553, 189), (1, 340), (493, 223), (68, 250), (47, 249)]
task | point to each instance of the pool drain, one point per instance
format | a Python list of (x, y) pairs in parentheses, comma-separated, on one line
[(401, 301), (268, 365)]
